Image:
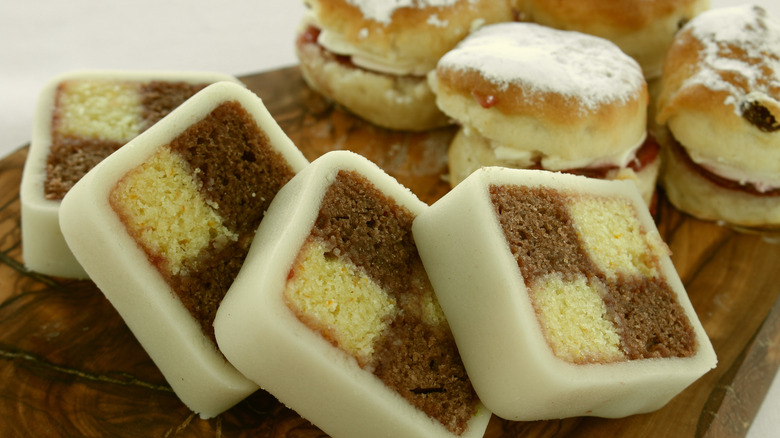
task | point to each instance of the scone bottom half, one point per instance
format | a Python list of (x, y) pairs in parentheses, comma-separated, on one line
[(561, 295), (162, 226), (340, 314)]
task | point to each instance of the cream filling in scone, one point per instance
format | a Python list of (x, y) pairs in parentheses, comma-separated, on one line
[(762, 181), (530, 158), (370, 61)]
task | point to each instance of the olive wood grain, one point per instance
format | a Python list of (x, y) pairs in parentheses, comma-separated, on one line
[(70, 367)]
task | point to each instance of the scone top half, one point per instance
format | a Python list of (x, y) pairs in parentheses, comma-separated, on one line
[(720, 96), (400, 37), (569, 99), (642, 29)]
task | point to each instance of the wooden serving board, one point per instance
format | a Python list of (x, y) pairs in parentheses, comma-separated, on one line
[(70, 367)]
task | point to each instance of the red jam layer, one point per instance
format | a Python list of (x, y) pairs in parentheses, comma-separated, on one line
[(311, 34), (646, 154), (682, 155)]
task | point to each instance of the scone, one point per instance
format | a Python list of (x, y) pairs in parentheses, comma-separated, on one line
[(561, 295), (333, 312), (643, 29), (720, 100), (162, 226), (529, 96), (371, 56)]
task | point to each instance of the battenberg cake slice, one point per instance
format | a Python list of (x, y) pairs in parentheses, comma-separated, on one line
[(561, 295), (333, 312), (82, 117), (162, 226)]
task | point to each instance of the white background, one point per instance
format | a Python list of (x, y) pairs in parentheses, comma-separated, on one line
[(42, 38)]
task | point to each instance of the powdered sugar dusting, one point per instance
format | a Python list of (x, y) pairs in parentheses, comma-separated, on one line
[(382, 10), (741, 44), (434, 20), (539, 58)]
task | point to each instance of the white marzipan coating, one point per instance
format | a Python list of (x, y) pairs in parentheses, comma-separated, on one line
[(263, 338), (191, 364), (44, 248), (483, 294)]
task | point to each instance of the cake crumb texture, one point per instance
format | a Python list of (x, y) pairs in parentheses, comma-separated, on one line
[(575, 250), (415, 353), (574, 319), (166, 212), (651, 322), (340, 301), (613, 237), (99, 109), (214, 183), (158, 98)]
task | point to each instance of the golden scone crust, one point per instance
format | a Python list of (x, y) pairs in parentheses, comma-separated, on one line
[(720, 93), (412, 32), (643, 29), (569, 99)]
